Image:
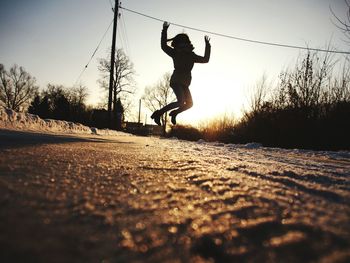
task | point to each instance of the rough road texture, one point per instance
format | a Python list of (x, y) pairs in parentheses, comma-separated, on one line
[(133, 199)]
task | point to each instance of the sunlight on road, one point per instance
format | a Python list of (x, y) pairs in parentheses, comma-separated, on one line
[(146, 198)]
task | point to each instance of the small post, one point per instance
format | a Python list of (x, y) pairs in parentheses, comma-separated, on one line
[(139, 111)]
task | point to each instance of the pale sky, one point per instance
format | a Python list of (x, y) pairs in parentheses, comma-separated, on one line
[(54, 39)]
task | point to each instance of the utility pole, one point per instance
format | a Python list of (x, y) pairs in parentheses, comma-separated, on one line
[(111, 77)]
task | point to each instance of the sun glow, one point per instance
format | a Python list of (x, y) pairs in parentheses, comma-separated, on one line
[(214, 95)]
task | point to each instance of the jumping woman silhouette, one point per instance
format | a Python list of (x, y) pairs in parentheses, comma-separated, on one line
[(181, 51)]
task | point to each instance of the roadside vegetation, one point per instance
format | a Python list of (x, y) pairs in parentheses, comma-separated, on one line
[(309, 108), (19, 92)]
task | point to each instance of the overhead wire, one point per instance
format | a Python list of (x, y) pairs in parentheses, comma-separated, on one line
[(120, 34), (93, 54), (112, 6), (127, 46), (124, 42), (121, 38), (235, 37)]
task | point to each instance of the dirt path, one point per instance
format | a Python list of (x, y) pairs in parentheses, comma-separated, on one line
[(135, 199)]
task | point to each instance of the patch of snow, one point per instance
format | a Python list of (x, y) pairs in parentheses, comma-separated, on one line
[(252, 145), (18, 120), (339, 155), (218, 144)]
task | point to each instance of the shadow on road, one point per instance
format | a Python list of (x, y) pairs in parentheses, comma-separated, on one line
[(13, 139)]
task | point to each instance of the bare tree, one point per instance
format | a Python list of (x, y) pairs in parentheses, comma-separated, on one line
[(303, 87), (343, 25), (79, 94), (123, 79), (159, 95), (17, 87), (339, 88), (259, 94)]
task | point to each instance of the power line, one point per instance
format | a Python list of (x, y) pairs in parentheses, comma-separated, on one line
[(93, 54), (110, 2), (237, 38), (120, 34), (123, 28)]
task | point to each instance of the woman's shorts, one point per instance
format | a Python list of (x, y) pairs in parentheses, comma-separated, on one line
[(182, 79)]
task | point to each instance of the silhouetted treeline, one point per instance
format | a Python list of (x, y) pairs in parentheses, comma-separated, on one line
[(309, 108), (316, 127), (60, 103)]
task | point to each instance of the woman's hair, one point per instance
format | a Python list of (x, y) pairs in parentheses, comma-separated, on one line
[(181, 41)]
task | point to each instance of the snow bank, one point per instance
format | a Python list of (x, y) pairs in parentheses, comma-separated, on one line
[(202, 145), (252, 145), (18, 120)]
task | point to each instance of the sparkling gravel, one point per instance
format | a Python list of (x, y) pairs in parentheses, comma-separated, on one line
[(122, 198)]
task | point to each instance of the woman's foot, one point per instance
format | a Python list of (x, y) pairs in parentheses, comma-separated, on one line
[(173, 115), (156, 117)]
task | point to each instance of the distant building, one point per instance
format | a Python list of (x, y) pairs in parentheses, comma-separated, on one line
[(140, 129), (154, 129)]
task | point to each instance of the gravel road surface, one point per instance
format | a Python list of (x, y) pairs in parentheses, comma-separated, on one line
[(89, 198)]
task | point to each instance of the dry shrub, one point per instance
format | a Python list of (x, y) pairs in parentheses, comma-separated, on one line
[(218, 129)]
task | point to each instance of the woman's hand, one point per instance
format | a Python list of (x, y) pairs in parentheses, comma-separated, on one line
[(207, 39), (165, 25)]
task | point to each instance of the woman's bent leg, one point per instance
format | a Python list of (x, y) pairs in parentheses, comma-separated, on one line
[(173, 105), (180, 96), (186, 104), (169, 107)]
